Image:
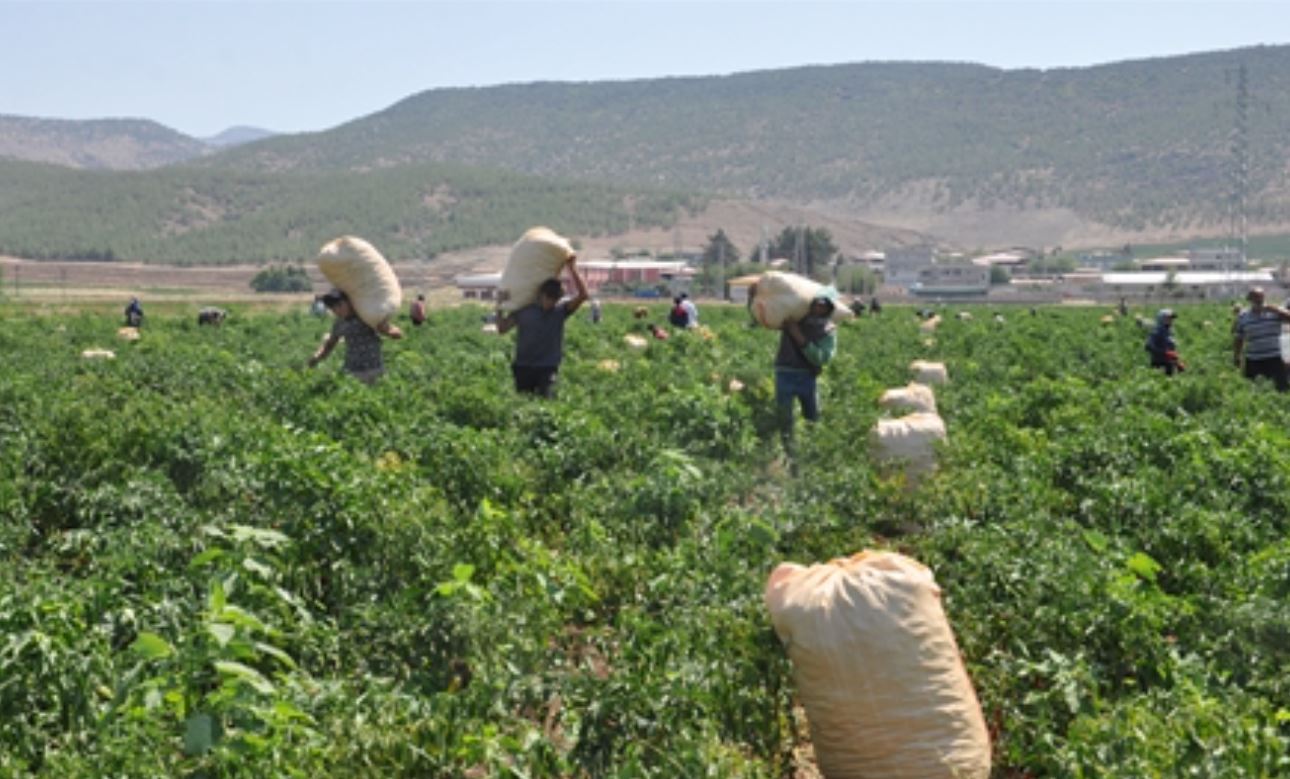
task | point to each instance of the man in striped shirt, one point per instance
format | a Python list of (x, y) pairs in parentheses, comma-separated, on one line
[(1258, 339)]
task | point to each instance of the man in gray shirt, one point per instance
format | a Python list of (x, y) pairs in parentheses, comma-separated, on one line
[(539, 343)]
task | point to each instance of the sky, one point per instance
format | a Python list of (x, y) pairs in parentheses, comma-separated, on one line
[(297, 66)]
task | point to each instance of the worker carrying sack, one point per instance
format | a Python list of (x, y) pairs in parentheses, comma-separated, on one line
[(540, 254), (878, 670), (780, 297), (356, 268)]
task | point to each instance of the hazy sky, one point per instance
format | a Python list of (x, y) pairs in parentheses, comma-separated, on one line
[(291, 66)]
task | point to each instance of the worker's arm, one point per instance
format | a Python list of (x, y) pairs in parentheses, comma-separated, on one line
[(390, 331), (579, 286), (505, 322), (1238, 346), (325, 349)]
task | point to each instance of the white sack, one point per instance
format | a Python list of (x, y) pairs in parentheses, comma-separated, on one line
[(356, 268), (911, 439), (914, 397), (98, 354), (928, 372), (929, 325), (878, 669), (128, 333), (784, 297), (540, 254)]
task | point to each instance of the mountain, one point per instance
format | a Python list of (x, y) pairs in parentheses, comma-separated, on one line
[(236, 136), (1131, 148), (99, 144)]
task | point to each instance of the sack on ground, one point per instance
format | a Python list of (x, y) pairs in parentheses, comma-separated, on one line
[(356, 268), (929, 372), (913, 397), (780, 297), (878, 670), (911, 440), (540, 254)]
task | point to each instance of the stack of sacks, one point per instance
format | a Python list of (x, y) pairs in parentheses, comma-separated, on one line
[(914, 397), (878, 670), (540, 254), (356, 268), (780, 297), (910, 440), (929, 372)]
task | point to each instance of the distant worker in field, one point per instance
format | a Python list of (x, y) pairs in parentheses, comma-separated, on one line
[(597, 312), (362, 342), (1258, 340), (874, 306), (1161, 345), (539, 343), (691, 310), (678, 316), (417, 311), (1123, 308), (805, 347), (133, 313), (211, 316)]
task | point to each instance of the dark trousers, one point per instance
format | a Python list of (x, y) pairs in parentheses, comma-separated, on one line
[(1272, 367), (535, 381)]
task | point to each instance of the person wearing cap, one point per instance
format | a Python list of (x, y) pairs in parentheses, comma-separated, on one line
[(1258, 340), (805, 347), (539, 342), (362, 342), (1161, 345)]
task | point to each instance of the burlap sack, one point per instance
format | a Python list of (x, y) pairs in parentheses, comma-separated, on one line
[(913, 397), (540, 254), (878, 670), (356, 268), (929, 372), (911, 440), (780, 297)]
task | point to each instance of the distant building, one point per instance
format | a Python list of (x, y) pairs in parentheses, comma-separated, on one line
[(951, 280), (902, 265), (479, 286), (1203, 284), (1215, 259), (628, 273), (1166, 264)]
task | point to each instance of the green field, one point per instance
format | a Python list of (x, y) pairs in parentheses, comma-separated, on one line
[(216, 563)]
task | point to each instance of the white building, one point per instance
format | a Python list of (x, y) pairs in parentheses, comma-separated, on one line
[(901, 266), (949, 280)]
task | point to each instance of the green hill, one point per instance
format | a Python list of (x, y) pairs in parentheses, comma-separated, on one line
[(187, 215), (1130, 144)]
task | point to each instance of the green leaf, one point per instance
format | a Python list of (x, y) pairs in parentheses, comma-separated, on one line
[(199, 735), (1144, 566), (205, 557), (1095, 540), (277, 654), (221, 632), (462, 572), (245, 673), (152, 646)]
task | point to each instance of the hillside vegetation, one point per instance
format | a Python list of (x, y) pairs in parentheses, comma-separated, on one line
[(1129, 144), (185, 215)]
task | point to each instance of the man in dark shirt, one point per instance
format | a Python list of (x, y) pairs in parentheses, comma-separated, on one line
[(539, 342)]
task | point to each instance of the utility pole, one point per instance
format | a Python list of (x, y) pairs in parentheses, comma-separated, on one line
[(1240, 148), (720, 291)]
